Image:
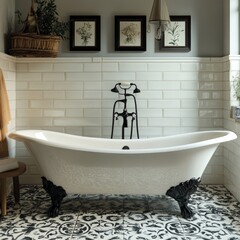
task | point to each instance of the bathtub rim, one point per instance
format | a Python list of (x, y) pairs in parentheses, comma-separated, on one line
[(20, 135)]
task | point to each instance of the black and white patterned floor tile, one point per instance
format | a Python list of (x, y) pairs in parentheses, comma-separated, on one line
[(122, 217)]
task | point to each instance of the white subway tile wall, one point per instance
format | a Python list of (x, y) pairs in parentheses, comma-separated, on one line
[(231, 167), (73, 95)]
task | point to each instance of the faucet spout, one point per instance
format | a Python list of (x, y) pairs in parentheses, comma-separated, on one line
[(125, 122)]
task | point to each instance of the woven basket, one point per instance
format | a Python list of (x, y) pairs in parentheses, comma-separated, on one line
[(33, 45)]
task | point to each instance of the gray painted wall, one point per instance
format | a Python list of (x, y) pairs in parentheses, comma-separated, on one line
[(7, 8), (226, 27), (207, 24)]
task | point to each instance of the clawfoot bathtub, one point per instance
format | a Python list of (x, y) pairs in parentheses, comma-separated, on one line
[(170, 165)]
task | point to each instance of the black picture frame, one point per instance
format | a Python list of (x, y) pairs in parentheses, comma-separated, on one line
[(130, 33), (85, 33), (177, 37)]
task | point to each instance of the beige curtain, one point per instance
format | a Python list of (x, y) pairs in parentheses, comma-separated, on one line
[(5, 117)]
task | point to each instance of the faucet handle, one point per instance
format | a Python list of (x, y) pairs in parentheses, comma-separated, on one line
[(116, 115)]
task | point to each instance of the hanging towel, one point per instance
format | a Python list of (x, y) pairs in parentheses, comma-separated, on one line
[(5, 116), (4, 149)]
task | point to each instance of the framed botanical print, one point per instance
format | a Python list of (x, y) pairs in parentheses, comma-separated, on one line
[(177, 36), (85, 33), (130, 33)]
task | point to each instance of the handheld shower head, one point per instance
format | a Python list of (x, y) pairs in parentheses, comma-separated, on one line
[(136, 90), (115, 90)]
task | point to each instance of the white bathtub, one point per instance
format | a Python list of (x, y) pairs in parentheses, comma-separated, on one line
[(96, 165)]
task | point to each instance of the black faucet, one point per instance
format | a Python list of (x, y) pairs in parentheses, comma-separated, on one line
[(125, 114)]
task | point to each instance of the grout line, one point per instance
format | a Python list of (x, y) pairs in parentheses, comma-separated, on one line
[(78, 215), (71, 236)]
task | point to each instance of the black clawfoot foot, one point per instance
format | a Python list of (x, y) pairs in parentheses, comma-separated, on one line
[(56, 193), (182, 193)]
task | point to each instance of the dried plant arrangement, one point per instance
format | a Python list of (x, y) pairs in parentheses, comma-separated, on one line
[(41, 32), (236, 87)]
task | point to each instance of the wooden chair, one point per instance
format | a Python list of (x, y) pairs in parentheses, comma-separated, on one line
[(14, 173)]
